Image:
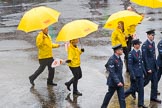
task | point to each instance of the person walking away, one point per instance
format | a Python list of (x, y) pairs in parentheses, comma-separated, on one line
[(115, 80), (136, 73), (45, 56), (131, 8), (159, 61), (149, 59), (74, 62), (119, 36)]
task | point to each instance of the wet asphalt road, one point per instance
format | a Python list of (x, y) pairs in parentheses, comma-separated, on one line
[(18, 57)]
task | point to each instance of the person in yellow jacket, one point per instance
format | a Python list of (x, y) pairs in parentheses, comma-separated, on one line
[(131, 30), (120, 36), (73, 61), (45, 56)]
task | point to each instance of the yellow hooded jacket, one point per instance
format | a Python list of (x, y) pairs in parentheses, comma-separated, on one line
[(118, 37), (45, 45), (74, 55)]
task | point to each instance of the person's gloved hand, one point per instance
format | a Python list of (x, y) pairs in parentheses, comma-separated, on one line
[(82, 49), (67, 61)]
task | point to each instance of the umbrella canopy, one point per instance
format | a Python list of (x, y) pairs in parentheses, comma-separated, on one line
[(148, 3), (128, 17), (76, 29), (38, 18)]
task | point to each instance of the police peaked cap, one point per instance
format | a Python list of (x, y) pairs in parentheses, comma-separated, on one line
[(119, 46), (152, 31), (136, 41)]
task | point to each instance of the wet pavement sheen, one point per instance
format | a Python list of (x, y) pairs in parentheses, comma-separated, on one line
[(19, 56)]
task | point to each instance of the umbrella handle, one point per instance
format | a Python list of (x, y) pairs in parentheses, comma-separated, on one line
[(80, 43)]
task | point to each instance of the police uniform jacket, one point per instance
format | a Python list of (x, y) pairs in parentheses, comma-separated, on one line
[(135, 64), (159, 58), (149, 56), (115, 67)]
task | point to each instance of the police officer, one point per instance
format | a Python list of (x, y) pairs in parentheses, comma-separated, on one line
[(119, 36), (149, 59), (159, 60), (136, 73), (115, 79)]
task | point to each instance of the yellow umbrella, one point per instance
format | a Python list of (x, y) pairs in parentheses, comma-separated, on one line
[(128, 17), (149, 3), (76, 29), (38, 18)]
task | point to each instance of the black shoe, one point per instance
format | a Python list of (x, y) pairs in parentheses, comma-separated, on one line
[(31, 81), (156, 100), (77, 93), (68, 86), (142, 106), (134, 96), (52, 84)]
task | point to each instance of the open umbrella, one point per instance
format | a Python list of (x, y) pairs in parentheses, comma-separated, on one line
[(148, 3), (76, 29), (38, 18), (128, 17)]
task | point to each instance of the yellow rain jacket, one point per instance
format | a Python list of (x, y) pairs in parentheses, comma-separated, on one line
[(74, 55), (45, 45), (131, 30), (118, 37)]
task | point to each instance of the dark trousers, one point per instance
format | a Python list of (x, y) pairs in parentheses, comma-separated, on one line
[(77, 74), (43, 63), (109, 94), (153, 78), (125, 51), (159, 73), (129, 43), (137, 85)]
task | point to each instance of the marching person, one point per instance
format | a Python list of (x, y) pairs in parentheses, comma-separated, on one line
[(73, 61), (45, 56), (136, 73), (119, 36), (131, 30), (159, 61), (115, 80), (149, 59)]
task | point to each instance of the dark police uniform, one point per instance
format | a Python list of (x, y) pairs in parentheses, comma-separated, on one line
[(149, 59), (135, 66), (159, 60), (114, 66)]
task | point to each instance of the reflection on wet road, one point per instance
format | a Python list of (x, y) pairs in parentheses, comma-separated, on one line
[(19, 56), (73, 101), (49, 100)]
